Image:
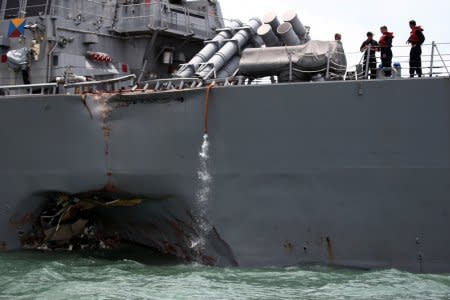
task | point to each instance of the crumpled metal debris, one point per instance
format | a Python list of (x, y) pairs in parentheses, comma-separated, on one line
[(65, 220), (112, 220), (65, 232)]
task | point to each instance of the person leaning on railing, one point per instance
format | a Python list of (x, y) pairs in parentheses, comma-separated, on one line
[(386, 51), (416, 40), (370, 56)]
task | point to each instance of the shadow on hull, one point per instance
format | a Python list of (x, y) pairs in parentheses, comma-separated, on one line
[(118, 225)]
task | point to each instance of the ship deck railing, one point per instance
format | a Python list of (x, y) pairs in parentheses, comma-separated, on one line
[(170, 84), (126, 18), (23, 9), (435, 61), (24, 89), (162, 15), (95, 9), (107, 85), (89, 9)]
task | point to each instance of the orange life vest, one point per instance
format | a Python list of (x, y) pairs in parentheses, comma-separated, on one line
[(383, 41), (414, 39)]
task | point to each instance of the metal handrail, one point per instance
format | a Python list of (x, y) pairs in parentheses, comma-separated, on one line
[(168, 5), (84, 12), (162, 11), (31, 88), (95, 82), (41, 87), (34, 85), (434, 60), (170, 84)]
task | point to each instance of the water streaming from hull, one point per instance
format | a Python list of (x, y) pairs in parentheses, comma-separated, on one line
[(202, 196)]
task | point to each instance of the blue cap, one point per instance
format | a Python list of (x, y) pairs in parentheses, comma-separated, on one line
[(397, 64)]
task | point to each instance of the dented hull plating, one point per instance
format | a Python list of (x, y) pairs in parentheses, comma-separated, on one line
[(352, 174)]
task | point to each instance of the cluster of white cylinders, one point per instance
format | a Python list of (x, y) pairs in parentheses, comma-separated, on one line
[(220, 57), (222, 53), (229, 49), (208, 51), (290, 33)]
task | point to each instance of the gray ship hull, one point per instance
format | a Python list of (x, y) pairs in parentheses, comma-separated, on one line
[(351, 174)]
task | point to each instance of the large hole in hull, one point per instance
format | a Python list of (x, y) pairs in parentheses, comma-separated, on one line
[(155, 230)]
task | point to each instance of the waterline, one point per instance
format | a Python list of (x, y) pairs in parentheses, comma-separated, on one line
[(33, 275)]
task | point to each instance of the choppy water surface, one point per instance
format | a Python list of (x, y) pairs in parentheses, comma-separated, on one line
[(28, 275)]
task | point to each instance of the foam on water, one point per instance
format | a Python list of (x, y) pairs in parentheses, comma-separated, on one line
[(30, 275)]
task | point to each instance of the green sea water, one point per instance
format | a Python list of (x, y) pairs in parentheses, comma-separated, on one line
[(30, 275)]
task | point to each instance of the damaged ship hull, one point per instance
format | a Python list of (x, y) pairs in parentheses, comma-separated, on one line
[(352, 174)]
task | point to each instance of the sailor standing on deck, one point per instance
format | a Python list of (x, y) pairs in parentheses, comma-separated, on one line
[(370, 56), (416, 40), (386, 51)]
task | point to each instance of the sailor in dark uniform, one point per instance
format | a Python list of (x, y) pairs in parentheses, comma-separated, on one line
[(370, 56), (416, 40), (386, 51)]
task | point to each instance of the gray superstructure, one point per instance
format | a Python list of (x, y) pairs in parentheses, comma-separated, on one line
[(307, 169)]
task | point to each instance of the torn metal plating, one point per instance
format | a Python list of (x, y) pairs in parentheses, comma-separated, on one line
[(103, 220)]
